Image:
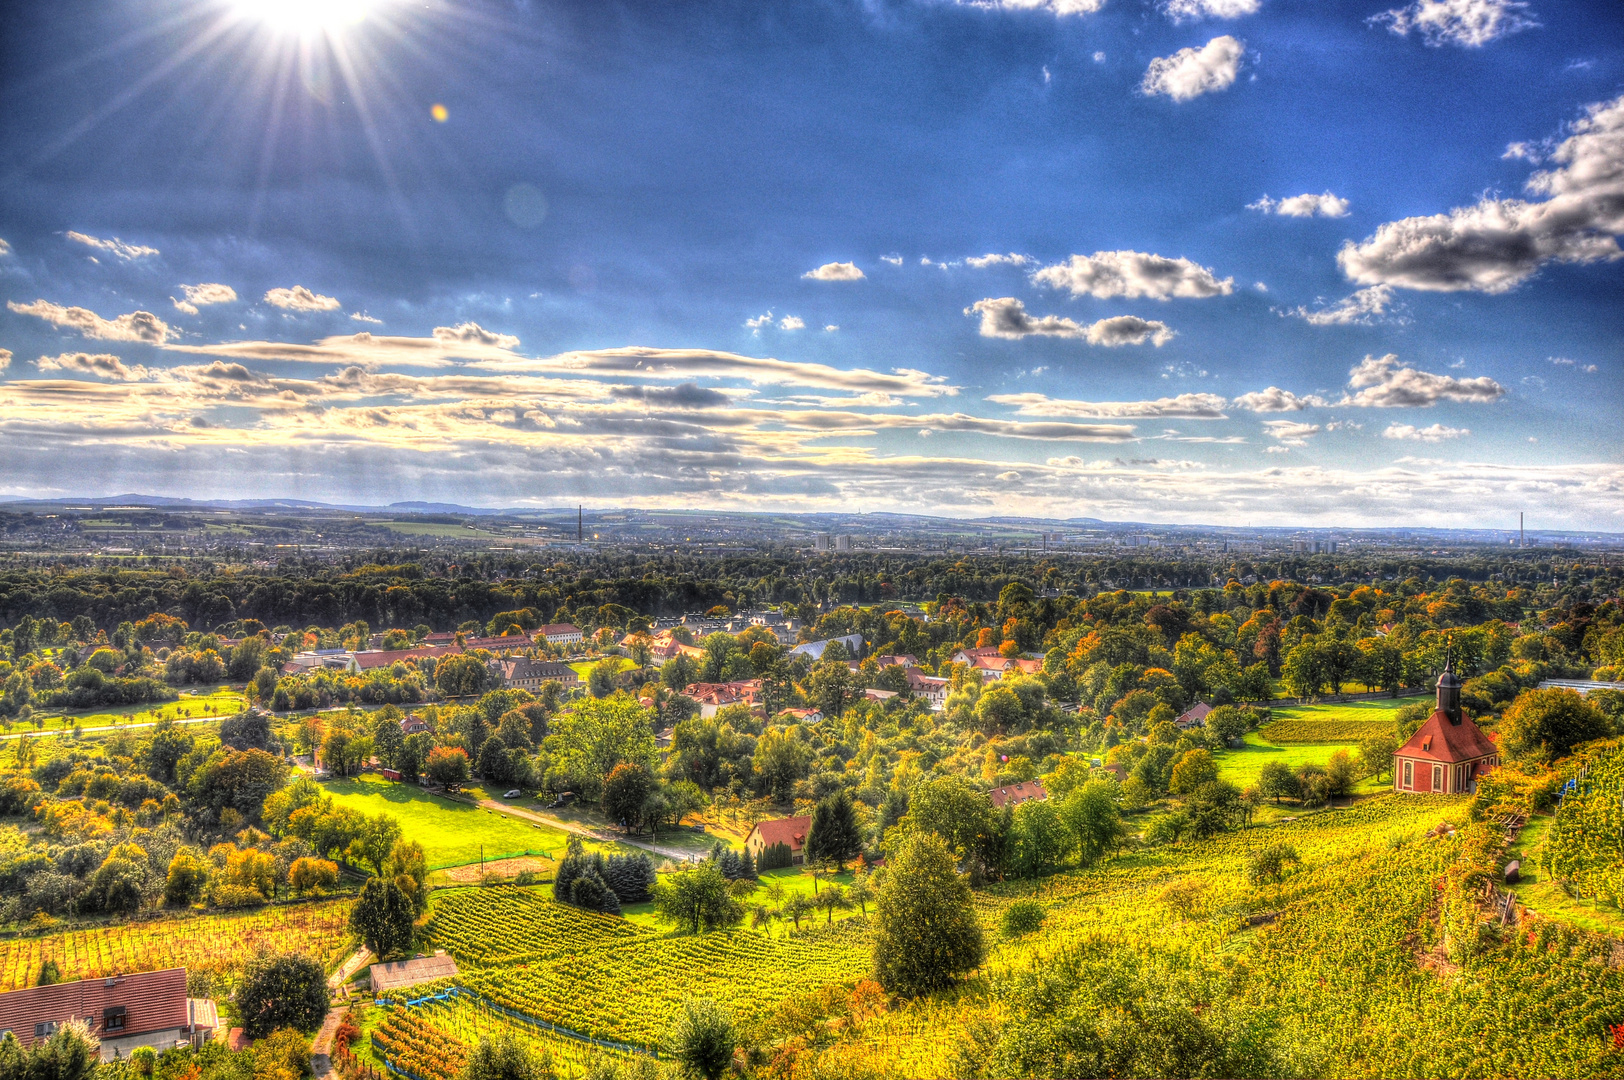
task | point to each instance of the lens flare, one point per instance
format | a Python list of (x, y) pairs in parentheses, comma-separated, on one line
[(306, 16), (439, 112)]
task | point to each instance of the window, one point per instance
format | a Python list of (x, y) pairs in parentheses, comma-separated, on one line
[(1437, 778), (1409, 774), (113, 1018), (45, 1030)]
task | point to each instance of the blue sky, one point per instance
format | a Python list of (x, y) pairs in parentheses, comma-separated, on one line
[(1195, 261)]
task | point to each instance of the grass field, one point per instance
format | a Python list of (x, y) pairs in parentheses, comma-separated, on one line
[(452, 833), (1382, 709), (583, 668), (1540, 893), (216, 701), (1242, 766)]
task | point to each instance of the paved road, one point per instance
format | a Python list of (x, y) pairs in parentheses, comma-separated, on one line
[(603, 835)]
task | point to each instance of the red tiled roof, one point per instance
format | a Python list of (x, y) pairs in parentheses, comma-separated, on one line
[(1015, 794), (790, 830), (151, 1000), (558, 629), (1196, 713), (1439, 740), (366, 661)]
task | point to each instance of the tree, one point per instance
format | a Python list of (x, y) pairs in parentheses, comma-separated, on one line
[(697, 898), (382, 917), (962, 816), (1041, 837), (1270, 863), (1542, 726), (1376, 755), (447, 766), (1304, 673), (282, 1055), (798, 907), (281, 991), (71, 1053), (1091, 814), (1341, 773), (375, 840), (596, 735), (1192, 770), (503, 1058), (388, 742), (188, 873), (625, 791), (834, 835), (701, 1039), (861, 891), (1213, 807), (408, 868), (832, 899), (308, 875), (460, 676), (999, 711), (831, 685), (925, 929), (781, 758), (1275, 780)]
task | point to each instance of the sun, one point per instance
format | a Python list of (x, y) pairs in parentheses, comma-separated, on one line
[(306, 16)]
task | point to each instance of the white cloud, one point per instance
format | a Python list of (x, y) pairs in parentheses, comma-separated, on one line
[(1006, 317), (1107, 274), (136, 326), (1191, 10), (1189, 73), (755, 324), (1290, 432), (1468, 23), (981, 262), (1054, 7), (361, 316), (1381, 383), (5, 248), (1275, 399), (1361, 309), (1522, 151), (1099, 58), (115, 246), (1308, 205), (835, 272), (5, 359), (102, 365), (1498, 243), (300, 298), (792, 322), (471, 333), (1435, 433), (894, 260), (199, 295), (831, 328), (1184, 406)]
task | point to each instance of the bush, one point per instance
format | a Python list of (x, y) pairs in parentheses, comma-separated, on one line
[(236, 896), (701, 1038), (775, 857), (288, 991), (1270, 863), (1021, 918)]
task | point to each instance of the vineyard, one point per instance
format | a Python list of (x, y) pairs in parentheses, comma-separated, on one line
[(1585, 845), (199, 942), (430, 1040), (479, 926), (1325, 731)]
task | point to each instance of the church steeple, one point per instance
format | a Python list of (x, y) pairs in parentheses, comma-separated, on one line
[(1449, 688)]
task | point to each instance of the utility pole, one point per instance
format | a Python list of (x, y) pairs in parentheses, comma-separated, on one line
[(580, 523)]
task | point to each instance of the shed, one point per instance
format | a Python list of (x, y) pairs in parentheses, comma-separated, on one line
[(399, 974)]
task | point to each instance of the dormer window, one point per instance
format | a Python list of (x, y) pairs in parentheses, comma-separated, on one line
[(113, 1018), (1426, 743)]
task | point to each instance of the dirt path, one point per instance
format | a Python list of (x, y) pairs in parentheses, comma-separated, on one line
[(602, 835), (346, 971)]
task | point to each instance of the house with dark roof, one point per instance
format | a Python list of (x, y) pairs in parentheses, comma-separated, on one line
[(1015, 794), (399, 974), (523, 673), (790, 830), (1448, 753), (149, 1008)]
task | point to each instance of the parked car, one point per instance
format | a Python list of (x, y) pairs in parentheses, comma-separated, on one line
[(514, 794)]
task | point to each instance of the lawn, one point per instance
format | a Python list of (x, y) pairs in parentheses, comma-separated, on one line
[(1242, 766), (1382, 709), (216, 701), (452, 833), (583, 668)]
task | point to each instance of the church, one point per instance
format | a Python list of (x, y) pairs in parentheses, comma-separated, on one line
[(1449, 752)]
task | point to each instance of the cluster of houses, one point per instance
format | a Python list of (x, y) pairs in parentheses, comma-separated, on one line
[(433, 646)]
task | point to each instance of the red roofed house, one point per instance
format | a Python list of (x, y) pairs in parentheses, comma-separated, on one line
[(1449, 752), (560, 633), (1195, 714), (1015, 794), (125, 1011), (790, 830)]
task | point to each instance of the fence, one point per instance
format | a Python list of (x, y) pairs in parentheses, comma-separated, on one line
[(1332, 699)]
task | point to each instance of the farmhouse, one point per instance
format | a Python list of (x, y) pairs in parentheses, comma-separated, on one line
[(1449, 752), (125, 1011), (790, 830), (560, 634), (931, 688), (1015, 794), (399, 974)]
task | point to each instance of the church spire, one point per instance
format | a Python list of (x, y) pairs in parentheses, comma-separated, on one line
[(1449, 687)]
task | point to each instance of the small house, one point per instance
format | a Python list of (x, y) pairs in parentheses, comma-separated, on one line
[(1194, 716), (1015, 794), (399, 974), (790, 831)]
